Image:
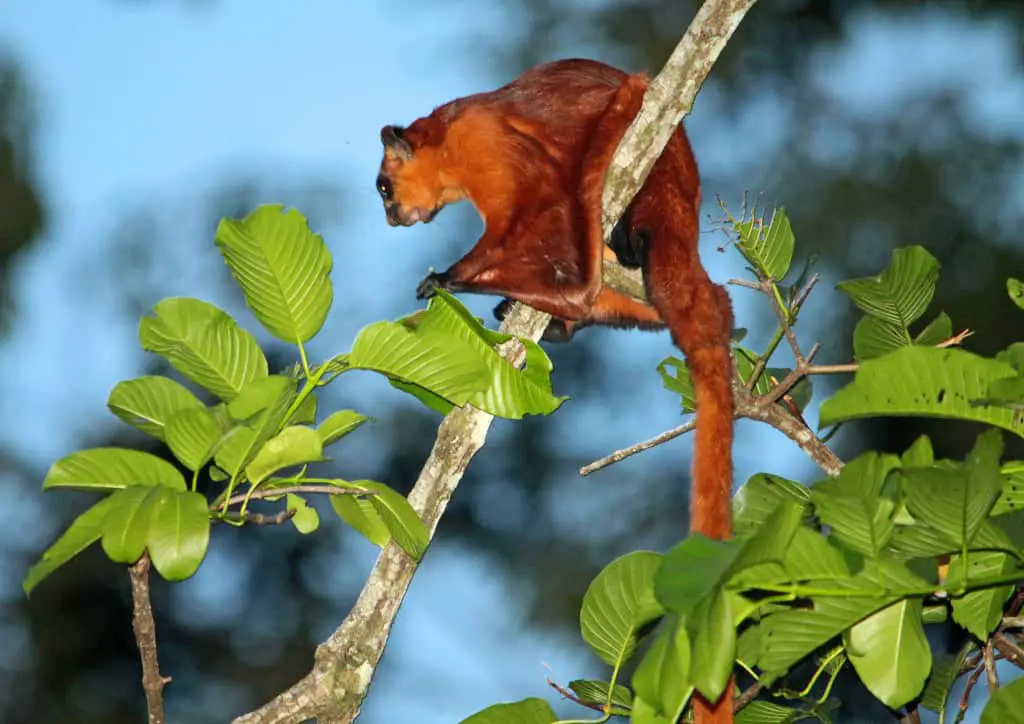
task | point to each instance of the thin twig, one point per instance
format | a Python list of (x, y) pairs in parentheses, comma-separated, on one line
[(774, 415), (913, 716), (251, 518), (838, 369), (1009, 649), (571, 696), (145, 638), (990, 669), (620, 455), (748, 695), (972, 680), (262, 493), (802, 295)]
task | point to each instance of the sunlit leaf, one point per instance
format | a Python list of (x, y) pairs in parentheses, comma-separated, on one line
[(295, 445), (339, 424), (890, 652), (204, 344), (126, 525), (146, 403), (406, 528), (192, 434), (111, 468), (306, 519), (527, 711), (618, 602), (179, 534), (283, 268), (602, 693), (902, 292), (769, 249)]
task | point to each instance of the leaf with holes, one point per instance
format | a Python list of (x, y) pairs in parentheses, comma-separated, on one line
[(923, 382), (204, 344), (618, 603), (283, 268), (147, 403), (902, 292), (111, 468)]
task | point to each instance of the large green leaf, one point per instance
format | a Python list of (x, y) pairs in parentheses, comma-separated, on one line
[(84, 530), (147, 403), (618, 602), (712, 629), (981, 611), (192, 434), (957, 500), (812, 557), (527, 711), (761, 556), (890, 652), (263, 406), (923, 381), (865, 476), (179, 533), (292, 446), (902, 292), (512, 392), (693, 571), (863, 524), (662, 677), (111, 468), (789, 636), (204, 344), (1005, 704), (873, 337), (283, 268), (769, 249), (126, 526)]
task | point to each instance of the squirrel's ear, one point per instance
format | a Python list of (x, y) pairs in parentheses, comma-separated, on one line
[(393, 138)]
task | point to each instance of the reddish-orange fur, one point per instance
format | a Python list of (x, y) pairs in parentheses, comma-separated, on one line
[(532, 157)]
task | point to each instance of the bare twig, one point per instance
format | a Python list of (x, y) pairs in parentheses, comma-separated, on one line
[(262, 493), (1009, 649), (774, 415), (990, 669), (334, 690), (747, 696), (972, 680), (259, 518), (145, 638), (620, 455), (571, 696), (913, 716)]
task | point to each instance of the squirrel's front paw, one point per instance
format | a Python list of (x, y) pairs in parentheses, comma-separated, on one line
[(430, 284)]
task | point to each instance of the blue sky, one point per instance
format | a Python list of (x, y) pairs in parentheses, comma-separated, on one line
[(241, 85)]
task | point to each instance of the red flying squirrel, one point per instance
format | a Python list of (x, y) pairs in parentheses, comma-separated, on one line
[(532, 157)]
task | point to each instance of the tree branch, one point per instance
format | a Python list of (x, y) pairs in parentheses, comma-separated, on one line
[(145, 638), (344, 664)]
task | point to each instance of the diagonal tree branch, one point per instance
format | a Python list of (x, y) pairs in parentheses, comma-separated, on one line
[(345, 663)]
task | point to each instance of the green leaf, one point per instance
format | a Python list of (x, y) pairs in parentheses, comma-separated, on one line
[(864, 476), (527, 711), (761, 556), (179, 534), (694, 571), (146, 403), (713, 633), (192, 434), (84, 530), (890, 652), (862, 524), (919, 454), (748, 645), (111, 468), (938, 330), (618, 603), (306, 519), (403, 523), (339, 424), (126, 525), (662, 677), (873, 337), (359, 512), (945, 672), (204, 344), (1005, 704), (766, 712), (263, 405), (812, 557), (294, 445), (512, 392), (1012, 496), (603, 693), (902, 292), (980, 611), (1015, 289), (644, 713), (789, 636), (759, 496), (923, 381), (305, 413), (957, 501), (283, 268), (769, 250), (675, 376)]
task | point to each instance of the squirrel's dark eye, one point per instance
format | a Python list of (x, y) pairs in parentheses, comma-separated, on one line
[(384, 187)]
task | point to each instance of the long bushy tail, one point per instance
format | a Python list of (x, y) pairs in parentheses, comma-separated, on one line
[(698, 314)]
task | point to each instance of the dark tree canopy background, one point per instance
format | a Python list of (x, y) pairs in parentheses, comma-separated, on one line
[(928, 168)]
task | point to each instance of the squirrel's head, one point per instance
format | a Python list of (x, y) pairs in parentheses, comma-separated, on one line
[(411, 180)]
